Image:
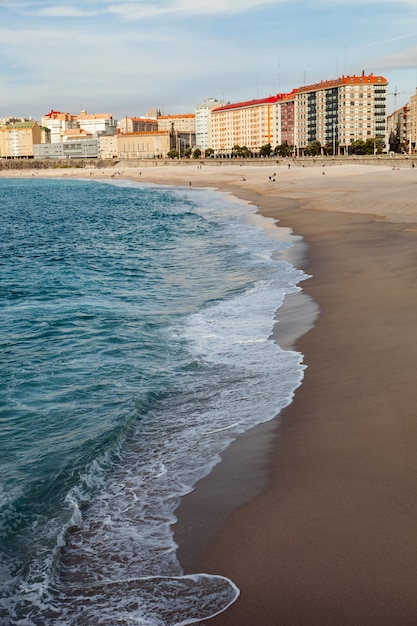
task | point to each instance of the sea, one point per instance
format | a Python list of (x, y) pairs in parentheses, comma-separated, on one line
[(136, 345)]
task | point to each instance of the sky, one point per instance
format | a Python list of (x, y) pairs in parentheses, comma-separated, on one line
[(128, 56)]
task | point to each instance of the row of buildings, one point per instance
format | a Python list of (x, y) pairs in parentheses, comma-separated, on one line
[(335, 113)]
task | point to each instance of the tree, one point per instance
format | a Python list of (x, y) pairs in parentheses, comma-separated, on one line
[(313, 148), (374, 146), (209, 152), (379, 145), (197, 153), (357, 147), (241, 151), (173, 154), (284, 150), (328, 148), (266, 150)]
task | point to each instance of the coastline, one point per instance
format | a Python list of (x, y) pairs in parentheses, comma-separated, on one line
[(331, 539), (326, 533)]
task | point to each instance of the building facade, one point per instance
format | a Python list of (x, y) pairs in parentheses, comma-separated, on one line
[(137, 125), (18, 140), (96, 123), (398, 130), (250, 124), (108, 146), (80, 149), (203, 122), (58, 123), (339, 112), (181, 123), (335, 113), (412, 124), (156, 144)]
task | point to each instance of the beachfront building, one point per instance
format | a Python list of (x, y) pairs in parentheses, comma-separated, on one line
[(58, 123), (97, 123), (184, 123), (108, 146), (69, 149), (137, 125), (332, 113), (17, 140), (155, 144), (398, 124), (412, 124), (250, 124), (339, 112), (203, 122), (76, 134), (182, 130), (286, 123)]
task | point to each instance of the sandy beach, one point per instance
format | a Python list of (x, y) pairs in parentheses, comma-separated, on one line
[(314, 515)]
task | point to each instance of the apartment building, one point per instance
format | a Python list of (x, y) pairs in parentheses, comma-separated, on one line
[(286, 121), (398, 130), (108, 146), (180, 123), (17, 140), (334, 112), (412, 124), (341, 111), (251, 124), (58, 123), (137, 125), (203, 122), (97, 123)]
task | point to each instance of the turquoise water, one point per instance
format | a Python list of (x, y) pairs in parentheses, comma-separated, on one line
[(135, 347)]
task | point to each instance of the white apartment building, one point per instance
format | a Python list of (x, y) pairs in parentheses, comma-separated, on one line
[(203, 122), (97, 123), (58, 123)]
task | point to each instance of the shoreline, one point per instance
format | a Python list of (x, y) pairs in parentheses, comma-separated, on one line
[(326, 531), (331, 539)]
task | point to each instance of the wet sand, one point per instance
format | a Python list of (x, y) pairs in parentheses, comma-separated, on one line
[(314, 516)]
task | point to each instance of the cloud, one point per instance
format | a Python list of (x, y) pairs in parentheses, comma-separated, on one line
[(405, 59), (64, 11), (137, 9), (366, 3)]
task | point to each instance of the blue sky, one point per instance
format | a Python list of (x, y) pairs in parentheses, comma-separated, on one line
[(126, 57)]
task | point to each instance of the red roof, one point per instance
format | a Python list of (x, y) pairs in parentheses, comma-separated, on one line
[(249, 103)]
